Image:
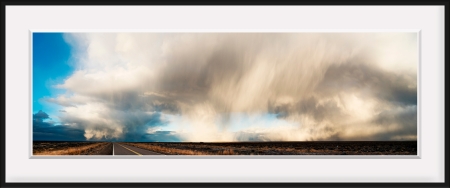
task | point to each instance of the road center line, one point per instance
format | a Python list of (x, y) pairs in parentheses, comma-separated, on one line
[(131, 150)]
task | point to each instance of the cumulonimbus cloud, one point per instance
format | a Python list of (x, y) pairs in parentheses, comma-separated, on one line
[(320, 86)]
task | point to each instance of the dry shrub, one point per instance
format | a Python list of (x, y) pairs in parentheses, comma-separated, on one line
[(228, 152), (72, 150), (176, 151)]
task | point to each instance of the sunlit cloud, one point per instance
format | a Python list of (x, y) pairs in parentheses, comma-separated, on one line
[(242, 86)]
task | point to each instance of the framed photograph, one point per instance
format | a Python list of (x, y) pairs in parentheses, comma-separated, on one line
[(240, 93), (195, 96)]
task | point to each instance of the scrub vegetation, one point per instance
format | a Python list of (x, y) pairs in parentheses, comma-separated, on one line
[(283, 148), (72, 148)]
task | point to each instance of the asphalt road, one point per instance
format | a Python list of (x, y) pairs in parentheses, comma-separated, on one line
[(122, 149)]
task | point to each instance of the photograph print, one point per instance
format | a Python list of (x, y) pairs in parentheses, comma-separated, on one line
[(224, 93)]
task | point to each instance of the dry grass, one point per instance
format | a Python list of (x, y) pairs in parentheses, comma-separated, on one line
[(228, 152), (216, 150), (283, 148), (177, 151), (71, 150)]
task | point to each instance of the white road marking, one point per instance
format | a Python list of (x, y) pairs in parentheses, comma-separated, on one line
[(131, 150)]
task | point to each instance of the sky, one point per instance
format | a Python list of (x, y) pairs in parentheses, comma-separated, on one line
[(220, 87)]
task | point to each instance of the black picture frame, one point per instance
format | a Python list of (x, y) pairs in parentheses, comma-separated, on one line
[(218, 184)]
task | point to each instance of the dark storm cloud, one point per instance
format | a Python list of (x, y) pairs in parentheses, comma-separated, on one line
[(369, 80), (162, 136), (131, 124), (57, 133), (40, 116), (311, 107), (48, 131), (124, 100), (403, 121), (168, 107), (133, 118), (327, 110), (157, 136), (136, 130), (394, 93)]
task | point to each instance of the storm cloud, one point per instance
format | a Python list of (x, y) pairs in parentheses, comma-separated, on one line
[(319, 86), (47, 130)]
